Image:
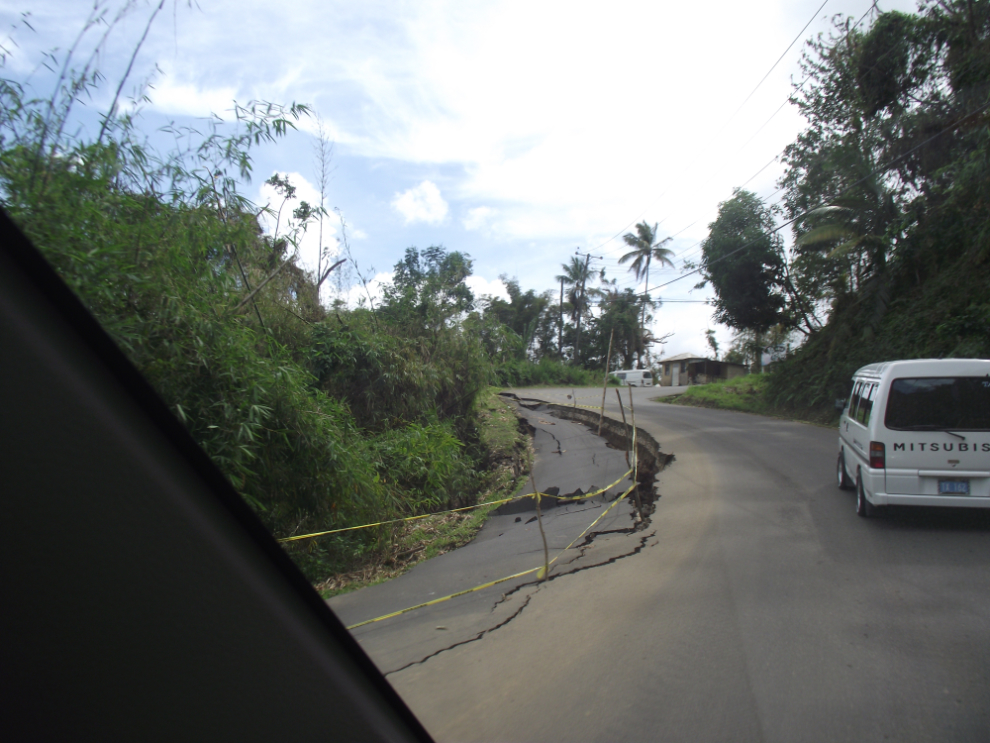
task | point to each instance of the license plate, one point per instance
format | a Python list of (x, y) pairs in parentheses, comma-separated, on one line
[(954, 487)]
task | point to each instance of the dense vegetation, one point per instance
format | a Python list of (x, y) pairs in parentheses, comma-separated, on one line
[(887, 194), (322, 416)]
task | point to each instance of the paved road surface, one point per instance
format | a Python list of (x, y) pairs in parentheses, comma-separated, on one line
[(568, 459), (763, 610)]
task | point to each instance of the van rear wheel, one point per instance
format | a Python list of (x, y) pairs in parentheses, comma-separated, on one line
[(840, 473), (863, 507)]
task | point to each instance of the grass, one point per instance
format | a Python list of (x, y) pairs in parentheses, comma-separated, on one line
[(507, 468), (742, 393), (746, 394)]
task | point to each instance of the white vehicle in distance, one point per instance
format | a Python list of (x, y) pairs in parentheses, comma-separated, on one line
[(634, 377), (917, 433)]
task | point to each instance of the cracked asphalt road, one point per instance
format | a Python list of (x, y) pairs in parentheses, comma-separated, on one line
[(760, 609), (569, 458)]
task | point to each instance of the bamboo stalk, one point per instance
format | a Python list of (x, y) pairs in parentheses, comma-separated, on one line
[(262, 285)]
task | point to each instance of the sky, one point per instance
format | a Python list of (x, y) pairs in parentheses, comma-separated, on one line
[(516, 132)]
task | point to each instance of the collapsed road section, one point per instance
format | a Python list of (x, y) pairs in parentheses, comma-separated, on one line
[(617, 435), (586, 523)]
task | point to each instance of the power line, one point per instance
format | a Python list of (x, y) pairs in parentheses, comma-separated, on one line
[(788, 99), (780, 108), (801, 86), (626, 228), (866, 177), (775, 65), (682, 255)]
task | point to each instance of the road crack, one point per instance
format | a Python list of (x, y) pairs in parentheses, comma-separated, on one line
[(477, 637), (538, 584)]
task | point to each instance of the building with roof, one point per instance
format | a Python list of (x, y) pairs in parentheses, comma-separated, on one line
[(687, 368)]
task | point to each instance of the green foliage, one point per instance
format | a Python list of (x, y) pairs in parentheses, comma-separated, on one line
[(744, 260), (519, 373), (746, 394), (426, 466), (389, 380), (510, 328), (428, 290), (712, 342), (889, 192), (575, 278), (621, 318), (645, 249), (318, 422)]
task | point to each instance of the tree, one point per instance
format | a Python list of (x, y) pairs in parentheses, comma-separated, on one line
[(620, 312), (743, 257), (575, 276), (646, 248), (520, 317), (428, 290), (712, 343)]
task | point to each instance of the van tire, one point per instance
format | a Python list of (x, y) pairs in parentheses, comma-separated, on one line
[(864, 508), (840, 473)]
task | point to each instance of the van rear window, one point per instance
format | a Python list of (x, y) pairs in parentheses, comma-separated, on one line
[(938, 404)]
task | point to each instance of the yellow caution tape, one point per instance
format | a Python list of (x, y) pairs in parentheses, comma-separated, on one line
[(407, 518), (500, 580), (572, 498), (444, 598), (562, 498), (592, 525)]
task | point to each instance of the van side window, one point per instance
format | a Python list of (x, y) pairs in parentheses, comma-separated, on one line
[(866, 404), (621, 376), (854, 399)]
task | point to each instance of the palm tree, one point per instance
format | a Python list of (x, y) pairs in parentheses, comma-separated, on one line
[(575, 276), (618, 313), (646, 248)]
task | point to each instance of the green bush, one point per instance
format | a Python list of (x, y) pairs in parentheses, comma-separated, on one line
[(516, 373), (319, 423), (423, 467)]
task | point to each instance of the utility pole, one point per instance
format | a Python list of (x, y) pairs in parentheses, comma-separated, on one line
[(560, 333)]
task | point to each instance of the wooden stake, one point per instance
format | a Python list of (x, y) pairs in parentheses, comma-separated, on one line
[(635, 455), (539, 522), (608, 361), (623, 411)]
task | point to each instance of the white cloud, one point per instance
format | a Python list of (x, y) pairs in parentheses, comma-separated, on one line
[(478, 218), (174, 98), (423, 203), (483, 287)]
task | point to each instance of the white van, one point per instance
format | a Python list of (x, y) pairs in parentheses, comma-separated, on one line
[(634, 377), (917, 433)]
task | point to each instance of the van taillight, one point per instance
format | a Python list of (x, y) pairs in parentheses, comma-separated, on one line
[(877, 455)]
